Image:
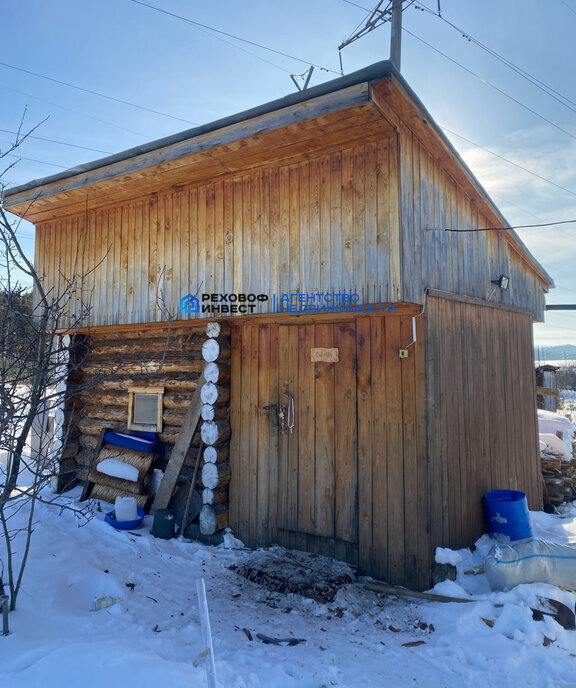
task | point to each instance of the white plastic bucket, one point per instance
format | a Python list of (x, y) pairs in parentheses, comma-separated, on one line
[(125, 509)]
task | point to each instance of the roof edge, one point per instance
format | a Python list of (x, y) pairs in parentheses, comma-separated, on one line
[(374, 72)]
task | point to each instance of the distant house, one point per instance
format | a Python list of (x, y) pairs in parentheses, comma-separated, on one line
[(547, 387), (377, 371)]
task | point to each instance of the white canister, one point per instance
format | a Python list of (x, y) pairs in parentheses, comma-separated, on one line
[(125, 509)]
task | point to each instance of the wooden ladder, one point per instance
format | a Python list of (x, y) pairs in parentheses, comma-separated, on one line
[(180, 450)]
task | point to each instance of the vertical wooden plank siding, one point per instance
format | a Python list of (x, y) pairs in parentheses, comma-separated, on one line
[(461, 263), (481, 418), (328, 224), (346, 481)]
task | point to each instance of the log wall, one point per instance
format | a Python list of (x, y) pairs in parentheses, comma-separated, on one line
[(160, 357)]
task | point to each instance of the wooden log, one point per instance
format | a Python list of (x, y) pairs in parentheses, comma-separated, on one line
[(217, 372), (109, 494), (217, 496), (151, 330), (71, 450), (95, 397), (172, 383), (213, 519), (174, 417), (120, 347), (177, 401), (212, 393), (143, 367), (216, 454), (88, 441), (215, 432), (211, 412), (213, 329), (215, 475), (210, 350), (113, 414), (117, 483), (93, 426), (86, 457), (209, 393)]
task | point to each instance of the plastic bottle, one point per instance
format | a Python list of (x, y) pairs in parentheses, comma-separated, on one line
[(104, 602)]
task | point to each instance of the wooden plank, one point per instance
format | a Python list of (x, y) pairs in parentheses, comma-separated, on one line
[(366, 522), (289, 441), (325, 450), (284, 477), (178, 455), (413, 519), (274, 468), (380, 390), (324, 283), (347, 209), (237, 482), (345, 438), (394, 450), (263, 457), (302, 238), (313, 283), (383, 220), (294, 229), (306, 433)]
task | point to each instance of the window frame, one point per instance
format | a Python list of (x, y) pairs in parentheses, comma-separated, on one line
[(158, 392)]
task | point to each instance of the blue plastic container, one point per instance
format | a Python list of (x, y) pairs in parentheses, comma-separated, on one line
[(508, 514), (110, 518)]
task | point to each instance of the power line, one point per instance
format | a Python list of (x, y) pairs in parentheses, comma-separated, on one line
[(510, 162), (488, 83), (60, 143), (231, 35), (76, 112), (42, 162), (568, 6), (556, 95), (500, 229), (95, 93)]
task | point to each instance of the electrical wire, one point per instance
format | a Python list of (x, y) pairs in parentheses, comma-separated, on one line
[(76, 112), (500, 229), (489, 83), (95, 93), (60, 143), (556, 95), (42, 162), (568, 6), (510, 162), (231, 35)]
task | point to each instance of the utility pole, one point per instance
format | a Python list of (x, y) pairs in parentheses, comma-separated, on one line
[(396, 34), (391, 13)]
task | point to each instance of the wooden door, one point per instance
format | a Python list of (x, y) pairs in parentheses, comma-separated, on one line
[(317, 457), (296, 486)]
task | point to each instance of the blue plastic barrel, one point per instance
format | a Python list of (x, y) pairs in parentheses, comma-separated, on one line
[(508, 514)]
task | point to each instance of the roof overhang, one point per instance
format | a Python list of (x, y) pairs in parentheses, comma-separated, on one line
[(369, 104)]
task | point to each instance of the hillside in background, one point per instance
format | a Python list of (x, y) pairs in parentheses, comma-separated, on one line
[(555, 354)]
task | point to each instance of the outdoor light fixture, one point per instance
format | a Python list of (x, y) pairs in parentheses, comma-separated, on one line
[(503, 281)]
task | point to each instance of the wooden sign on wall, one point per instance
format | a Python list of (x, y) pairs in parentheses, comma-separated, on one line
[(323, 355)]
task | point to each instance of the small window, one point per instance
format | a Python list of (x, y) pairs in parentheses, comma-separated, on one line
[(145, 408)]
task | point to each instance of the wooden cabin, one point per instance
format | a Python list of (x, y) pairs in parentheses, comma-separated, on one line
[(378, 379)]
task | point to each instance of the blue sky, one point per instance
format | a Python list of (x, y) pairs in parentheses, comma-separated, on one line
[(127, 51)]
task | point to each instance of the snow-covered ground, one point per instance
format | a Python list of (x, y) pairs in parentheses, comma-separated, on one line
[(152, 636)]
